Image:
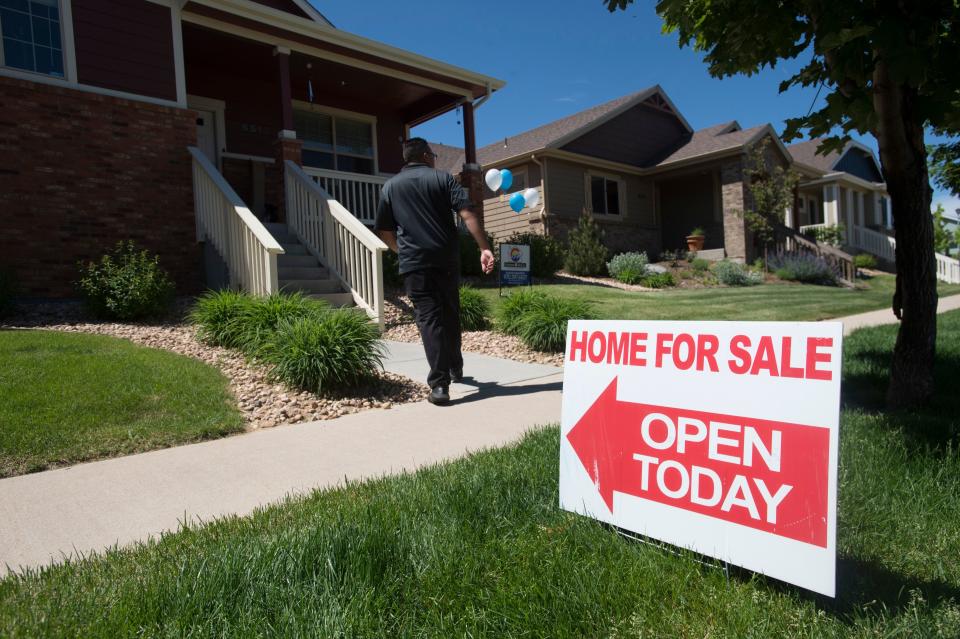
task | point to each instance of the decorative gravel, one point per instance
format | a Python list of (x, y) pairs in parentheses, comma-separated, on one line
[(398, 320), (264, 403)]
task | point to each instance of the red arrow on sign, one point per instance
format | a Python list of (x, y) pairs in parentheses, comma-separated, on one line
[(759, 473)]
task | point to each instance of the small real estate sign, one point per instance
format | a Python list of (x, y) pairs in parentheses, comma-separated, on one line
[(514, 265), (720, 437)]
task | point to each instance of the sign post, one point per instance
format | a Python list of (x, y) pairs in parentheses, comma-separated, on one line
[(720, 437), (514, 265)]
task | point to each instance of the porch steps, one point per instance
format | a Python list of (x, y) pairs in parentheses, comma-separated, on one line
[(297, 270)]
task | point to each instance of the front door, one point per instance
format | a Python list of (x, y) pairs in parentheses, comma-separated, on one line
[(207, 134)]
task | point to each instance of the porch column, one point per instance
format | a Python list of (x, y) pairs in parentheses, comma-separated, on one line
[(888, 212), (732, 191), (861, 209), (830, 217), (286, 146), (470, 177)]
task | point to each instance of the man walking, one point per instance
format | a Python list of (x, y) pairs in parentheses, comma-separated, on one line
[(415, 219)]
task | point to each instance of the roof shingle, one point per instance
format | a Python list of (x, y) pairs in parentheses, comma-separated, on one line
[(806, 153)]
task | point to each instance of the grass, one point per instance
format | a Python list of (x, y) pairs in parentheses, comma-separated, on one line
[(479, 548), (68, 398), (764, 302)]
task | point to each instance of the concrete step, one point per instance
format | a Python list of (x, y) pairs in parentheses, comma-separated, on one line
[(337, 300), (315, 272), (294, 248), (311, 286), (294, 261)]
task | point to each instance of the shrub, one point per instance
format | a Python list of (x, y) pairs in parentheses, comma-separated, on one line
[(658, 280), (8, 288), (864, 260), (630, 265), (700, 265), (543, 327), (474, 310), (263, 315), (546, 253), (670, 256), (515, 306), (391, 270), (697, 232), (586, 254), (470, 255), (831, 235), (328, 351), (125, 284), (803, 267), (217, 317), (734, 274)]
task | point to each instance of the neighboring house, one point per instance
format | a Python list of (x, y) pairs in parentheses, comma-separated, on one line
[(636, 165), (102, 98)]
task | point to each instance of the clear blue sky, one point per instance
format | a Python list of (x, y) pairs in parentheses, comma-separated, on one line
[(559, 57)]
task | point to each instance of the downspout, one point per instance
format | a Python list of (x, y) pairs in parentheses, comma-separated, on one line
[(543, 187), (483, 98)]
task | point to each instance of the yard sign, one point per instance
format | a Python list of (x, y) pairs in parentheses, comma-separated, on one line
[(514, 264), (720, 437)]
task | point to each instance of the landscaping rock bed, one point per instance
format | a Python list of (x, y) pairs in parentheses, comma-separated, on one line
[(264, 403), (400, 327)]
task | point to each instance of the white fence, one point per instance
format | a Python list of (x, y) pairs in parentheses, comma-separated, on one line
[(337, 238), (237, 235), (358, 193), (948, 269), (879, 244)]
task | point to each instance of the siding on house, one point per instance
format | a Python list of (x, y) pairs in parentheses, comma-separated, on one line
[(499, 219), (125, 45), (640, 136), (856, 162)]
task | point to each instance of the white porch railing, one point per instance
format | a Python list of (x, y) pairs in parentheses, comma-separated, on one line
[(812, 227), (337, 238), (358, 193), (248, 249), (883, 246), (948, 269)]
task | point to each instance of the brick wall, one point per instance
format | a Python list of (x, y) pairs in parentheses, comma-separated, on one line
[(81, 171), (732, 192)]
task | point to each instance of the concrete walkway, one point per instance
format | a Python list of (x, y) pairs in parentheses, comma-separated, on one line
[(90, 507)]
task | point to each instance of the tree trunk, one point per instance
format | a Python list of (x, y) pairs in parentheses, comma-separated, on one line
[(903, 156)]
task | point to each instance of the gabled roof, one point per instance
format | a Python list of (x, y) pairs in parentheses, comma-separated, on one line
[(720, 138), (559, 132), (806, 153)]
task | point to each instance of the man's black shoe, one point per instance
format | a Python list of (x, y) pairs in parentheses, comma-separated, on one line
[(439, 396), (456, 375)]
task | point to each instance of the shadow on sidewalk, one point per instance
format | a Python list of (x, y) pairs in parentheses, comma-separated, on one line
[(487, 390)]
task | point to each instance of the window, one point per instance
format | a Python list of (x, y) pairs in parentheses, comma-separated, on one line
[(31, 36), (605, 195), (335, 142)]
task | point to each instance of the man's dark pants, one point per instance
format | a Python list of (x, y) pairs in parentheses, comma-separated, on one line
[(435, 294)]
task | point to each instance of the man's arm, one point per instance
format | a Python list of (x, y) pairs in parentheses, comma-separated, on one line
[(389, 238), (472, 223)]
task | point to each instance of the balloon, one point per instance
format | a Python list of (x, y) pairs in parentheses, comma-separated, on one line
[(492, 178), (506, 179), (517, 202), (531, 197)]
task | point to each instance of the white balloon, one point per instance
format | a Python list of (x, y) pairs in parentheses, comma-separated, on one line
[(493, 179), (531, 197)]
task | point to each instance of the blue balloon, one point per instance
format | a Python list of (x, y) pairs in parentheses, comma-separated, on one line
[(517, 202), (506, 179)]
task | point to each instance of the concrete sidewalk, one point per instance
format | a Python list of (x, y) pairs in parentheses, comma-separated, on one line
[(90, 507)]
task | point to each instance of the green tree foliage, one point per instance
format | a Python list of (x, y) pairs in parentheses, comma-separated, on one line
[(888, 69), (771, 192), (941, 235), (586, 254), (945, 165)]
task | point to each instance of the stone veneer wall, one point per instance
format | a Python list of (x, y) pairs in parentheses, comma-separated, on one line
[(81, 171), (732, 191)]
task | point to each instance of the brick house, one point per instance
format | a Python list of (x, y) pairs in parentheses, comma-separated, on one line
[(637, 166), (288, 118)]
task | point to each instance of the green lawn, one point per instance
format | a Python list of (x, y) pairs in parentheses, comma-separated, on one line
[(478, 548), (69, 397), (765, 302)]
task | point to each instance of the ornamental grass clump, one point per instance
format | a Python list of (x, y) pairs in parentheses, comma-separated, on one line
[(543, 327), (217, 317), (335, 350), (474, 310), (259, 319), (628, 268), (734, 274), (514, 306), (125, 284), (803, 267), (658, 280)]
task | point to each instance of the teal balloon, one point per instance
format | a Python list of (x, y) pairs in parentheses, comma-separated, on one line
[(517, 202), (506, 179)]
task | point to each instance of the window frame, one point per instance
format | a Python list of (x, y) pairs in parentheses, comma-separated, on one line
[(67, 51), (621, 194), (334, 113)]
